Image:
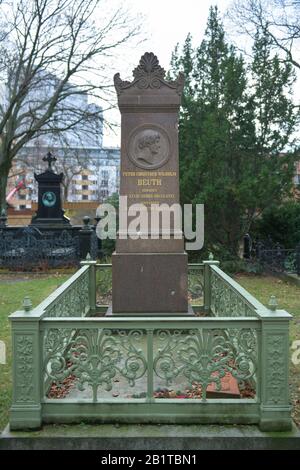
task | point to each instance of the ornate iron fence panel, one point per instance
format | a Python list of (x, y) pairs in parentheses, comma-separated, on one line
[(96, 362), (74, 299), (204, 357), (28, 248), (103, 284), (196, 284), (92, 359), (226, 301), (94, 245), (275, 258)]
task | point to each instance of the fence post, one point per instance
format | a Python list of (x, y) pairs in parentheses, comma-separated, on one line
[(298, 259), (3, 219), (275, 409), (26, 411), (86, 240), (92, 282), (207, 281)]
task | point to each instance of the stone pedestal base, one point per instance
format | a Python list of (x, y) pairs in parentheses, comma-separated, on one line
[(190, 313), (63, 222), (151, 283)]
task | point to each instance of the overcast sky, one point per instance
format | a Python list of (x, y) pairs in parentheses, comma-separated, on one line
[(168, 22), (165, 22)]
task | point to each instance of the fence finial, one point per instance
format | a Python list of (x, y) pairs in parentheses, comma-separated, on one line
[(273, 304), (88, 257), (210, 256), (86, 222), (27, 304), (3, 218)]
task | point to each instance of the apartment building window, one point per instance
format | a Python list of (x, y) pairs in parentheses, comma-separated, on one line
[(103, 193), (85, 177), (104, 178), (85, 197), (85, 186), (21, 207), (22, 196)]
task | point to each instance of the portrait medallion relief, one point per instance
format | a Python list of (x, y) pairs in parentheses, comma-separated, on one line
[(149, 147), (49, 199)]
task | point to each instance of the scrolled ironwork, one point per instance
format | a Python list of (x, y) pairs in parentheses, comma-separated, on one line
[(104, 284), (226, 301), (204, 356), (93, 357), (28, 248), (73, 302), (275, 258), (196, 284)]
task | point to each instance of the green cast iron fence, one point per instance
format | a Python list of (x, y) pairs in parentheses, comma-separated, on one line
[(228, 364)]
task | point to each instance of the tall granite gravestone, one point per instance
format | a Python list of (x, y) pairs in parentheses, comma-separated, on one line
[(149, 274), (49, 212)]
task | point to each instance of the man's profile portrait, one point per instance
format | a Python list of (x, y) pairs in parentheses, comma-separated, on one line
[(149, 147)]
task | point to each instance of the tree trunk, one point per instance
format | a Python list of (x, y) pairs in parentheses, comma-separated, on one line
[(4, 171), (233, 243)]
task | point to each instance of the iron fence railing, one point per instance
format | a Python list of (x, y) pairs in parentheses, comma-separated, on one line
[(28, 248), (102, 358), (72, 364), (275, 258)]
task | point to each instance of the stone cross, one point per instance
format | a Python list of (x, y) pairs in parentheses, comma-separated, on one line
[(50, 159)]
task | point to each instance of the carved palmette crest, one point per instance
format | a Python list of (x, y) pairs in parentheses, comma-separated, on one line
[(149, 69), (149, 74)]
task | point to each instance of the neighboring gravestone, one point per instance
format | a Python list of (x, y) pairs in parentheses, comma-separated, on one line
[(149, 275), (49, 210)]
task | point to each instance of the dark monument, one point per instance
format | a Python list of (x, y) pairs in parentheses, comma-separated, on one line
[(149, 274), (49, 210), (50, 240)]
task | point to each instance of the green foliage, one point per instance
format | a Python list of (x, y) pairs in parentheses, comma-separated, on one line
[(281, 223), (235, 122), (235, 266)]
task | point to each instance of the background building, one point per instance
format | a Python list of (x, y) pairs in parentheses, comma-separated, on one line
[(297, 175), (91, 171)]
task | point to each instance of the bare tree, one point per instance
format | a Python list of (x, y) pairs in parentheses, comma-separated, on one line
[(71, 166), (52, 52), (280, 19)]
